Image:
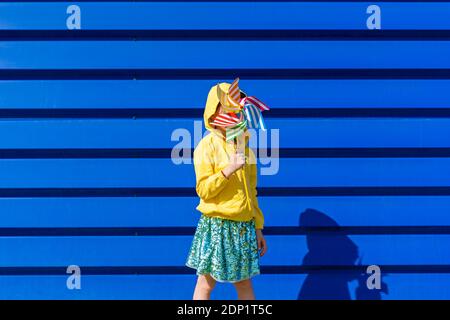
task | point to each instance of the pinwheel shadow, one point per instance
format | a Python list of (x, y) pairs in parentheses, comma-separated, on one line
[(327, 254)]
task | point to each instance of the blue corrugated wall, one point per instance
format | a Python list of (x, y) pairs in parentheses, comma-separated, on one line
[(91, 94)]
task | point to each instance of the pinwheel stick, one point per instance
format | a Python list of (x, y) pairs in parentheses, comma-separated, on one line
[(241, 149)]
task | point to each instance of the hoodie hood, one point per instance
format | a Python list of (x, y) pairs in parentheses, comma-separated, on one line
[(213, 101)]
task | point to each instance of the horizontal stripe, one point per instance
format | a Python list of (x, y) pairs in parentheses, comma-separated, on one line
[(267, 73), (274, 172), (144, 212), (220, 15), (186, 35), (331, 269), (262, 1), (286, 250), (180, 287), (74, 153), (265, 270), (183, 231), (140, 97), (361, 152), (142, 113), (289, 56), (190, 192), (174, 133)]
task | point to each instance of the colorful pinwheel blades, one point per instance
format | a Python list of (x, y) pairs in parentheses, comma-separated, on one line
[(249, 108), (254, 117), (226, 120), (255, 101), (237, 130), (230, 100)]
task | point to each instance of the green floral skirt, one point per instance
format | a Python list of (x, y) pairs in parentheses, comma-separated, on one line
[(225, 249)]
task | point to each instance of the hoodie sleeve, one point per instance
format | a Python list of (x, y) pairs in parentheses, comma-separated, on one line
[(259, 217), (208, 183)]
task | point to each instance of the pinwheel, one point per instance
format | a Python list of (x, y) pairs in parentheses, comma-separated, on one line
[(239, 113)]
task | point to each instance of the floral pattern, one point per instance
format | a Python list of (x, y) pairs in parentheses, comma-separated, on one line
[(225, 249)]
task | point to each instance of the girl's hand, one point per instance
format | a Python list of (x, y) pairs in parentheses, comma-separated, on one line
[(262, 245), (237, 161)]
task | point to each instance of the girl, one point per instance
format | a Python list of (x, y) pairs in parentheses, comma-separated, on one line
[(228, 240)]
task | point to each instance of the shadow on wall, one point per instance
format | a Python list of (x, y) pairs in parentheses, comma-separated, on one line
[(333, 250)]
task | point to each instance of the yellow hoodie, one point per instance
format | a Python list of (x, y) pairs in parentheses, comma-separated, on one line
[(219, 196)]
